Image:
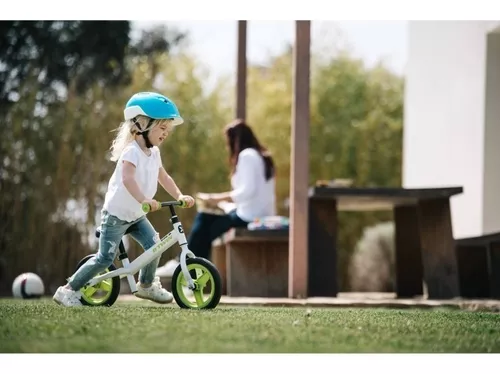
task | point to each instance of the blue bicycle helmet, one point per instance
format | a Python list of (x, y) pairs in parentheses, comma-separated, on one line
[(152, 105)]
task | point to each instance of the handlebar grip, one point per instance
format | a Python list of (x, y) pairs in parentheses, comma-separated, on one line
[(146, 208)]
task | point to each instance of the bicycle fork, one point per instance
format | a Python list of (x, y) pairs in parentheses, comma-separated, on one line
[(185, 252)]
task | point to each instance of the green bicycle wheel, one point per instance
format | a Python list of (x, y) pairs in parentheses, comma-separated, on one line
[(104, 293), (208, 284)]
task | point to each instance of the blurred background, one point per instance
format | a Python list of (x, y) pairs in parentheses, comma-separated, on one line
[(63, 87)]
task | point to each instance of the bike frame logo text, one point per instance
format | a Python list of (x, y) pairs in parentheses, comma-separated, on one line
[(165, 242)]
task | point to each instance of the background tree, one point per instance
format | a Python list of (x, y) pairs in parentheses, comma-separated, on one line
[(59, 81), (356, 130), (60, 113)]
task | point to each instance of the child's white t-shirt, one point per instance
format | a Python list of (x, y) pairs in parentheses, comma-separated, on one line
[(118, 201)]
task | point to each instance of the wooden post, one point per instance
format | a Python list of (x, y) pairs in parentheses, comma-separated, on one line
[(438, 249), (322, 257), (299, 166), (241, 73), (408, 250)]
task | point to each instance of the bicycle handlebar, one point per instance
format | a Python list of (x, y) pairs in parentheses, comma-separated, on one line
[(181, 203)]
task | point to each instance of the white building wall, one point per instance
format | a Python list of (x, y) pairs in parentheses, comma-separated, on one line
[(444, 124), (491, 185)]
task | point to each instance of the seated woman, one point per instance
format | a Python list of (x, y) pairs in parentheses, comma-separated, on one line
[(253, 190)]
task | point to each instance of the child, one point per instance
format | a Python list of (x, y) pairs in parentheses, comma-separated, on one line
[(149, 117)]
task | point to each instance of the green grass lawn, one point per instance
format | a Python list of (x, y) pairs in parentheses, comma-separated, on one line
[(43, 326)]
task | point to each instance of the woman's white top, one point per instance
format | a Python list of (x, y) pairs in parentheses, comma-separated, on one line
[(253, 195), (118, 201)]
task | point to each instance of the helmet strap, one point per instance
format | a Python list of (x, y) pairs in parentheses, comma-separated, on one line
[(145, 134), (146, 139)]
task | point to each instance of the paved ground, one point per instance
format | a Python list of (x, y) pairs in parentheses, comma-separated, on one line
[(381, 300)]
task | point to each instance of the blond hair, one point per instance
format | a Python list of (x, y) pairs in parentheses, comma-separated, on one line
[(127, 131)]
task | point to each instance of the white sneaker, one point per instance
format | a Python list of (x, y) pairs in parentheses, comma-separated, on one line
[(154, 293), (66, 297)]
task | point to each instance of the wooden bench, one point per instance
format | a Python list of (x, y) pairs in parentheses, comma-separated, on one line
[(479, 266), (253, 263)]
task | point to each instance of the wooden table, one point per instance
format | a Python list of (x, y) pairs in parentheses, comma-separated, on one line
[(424, 244), (479, 266)]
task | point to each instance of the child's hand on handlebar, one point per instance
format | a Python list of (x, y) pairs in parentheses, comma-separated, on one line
[(155, 205), (189, 200)]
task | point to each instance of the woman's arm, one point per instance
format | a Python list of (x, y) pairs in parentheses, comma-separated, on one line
[(247, 170)]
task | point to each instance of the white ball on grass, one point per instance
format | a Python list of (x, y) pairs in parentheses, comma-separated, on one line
[(28, 286)]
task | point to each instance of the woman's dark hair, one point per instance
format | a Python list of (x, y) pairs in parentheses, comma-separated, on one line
[(240, 136)]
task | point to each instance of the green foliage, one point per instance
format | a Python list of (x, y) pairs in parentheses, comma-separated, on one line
[(269, 114), (53, 168), (56, 52), (355, 133), (54, 163)]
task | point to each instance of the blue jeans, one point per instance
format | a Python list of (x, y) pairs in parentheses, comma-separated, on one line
[(207, 227), (112, 231)]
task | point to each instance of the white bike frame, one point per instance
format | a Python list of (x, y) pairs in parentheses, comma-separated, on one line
[(130, 268)]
